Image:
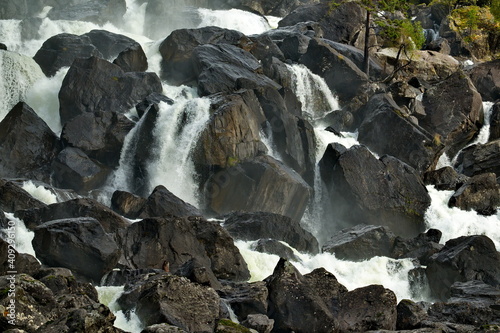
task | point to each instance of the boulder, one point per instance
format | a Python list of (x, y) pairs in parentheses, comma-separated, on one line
[(163, 328), (471, 303), (73, 169), (454, 112), (27, 145), (153, 241), (163, 203), (245, 298), (14, 198), (341, 75), (94, 84), (227, 68), (272, 246), (410, 143), (303, 303), (197, 273), (479, 158), (430, 65), (132, 59), (445, 179), (292, 136), (232, 134), (480, 193), (495, 122), (342, 24), (80, 244), (263, 48), (381, 191), (75, 208), (361, 242), (99, 135), (486, 79), (61, 50), (262, 225), (249, 186), (368, 308), (111, 44), (463, 259), (128, 277), (12, 261), (127, 204), (177, 301), (410, 315), (152, 101), (226, 261), (330, 157), (95, 11), (177, 49), (259, 322), (421, 247), (13, 9)]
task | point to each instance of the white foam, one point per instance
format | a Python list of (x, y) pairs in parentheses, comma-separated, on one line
[(24, 237), (391, 273), (109, 296), (39, 192), (235, 19), (17, 74), (454, 222)]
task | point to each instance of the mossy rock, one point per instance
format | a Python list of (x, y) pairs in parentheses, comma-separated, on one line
[(228, 326)]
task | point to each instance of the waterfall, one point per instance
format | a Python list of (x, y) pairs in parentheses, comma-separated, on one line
[(17, 74), (109, 296), (235, 19)]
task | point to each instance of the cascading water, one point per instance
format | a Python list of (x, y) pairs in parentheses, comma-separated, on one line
[(235, 19)]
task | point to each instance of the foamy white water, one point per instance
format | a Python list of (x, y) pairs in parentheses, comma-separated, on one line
[(234, 19), (39, 192), (23, 236), (390, 273), (108, 296), (17, 74), (454, 222)]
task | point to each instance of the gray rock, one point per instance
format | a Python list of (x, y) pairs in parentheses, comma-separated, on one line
[(480, 193)]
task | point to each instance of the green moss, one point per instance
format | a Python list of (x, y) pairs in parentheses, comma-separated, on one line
[(232, 161), (228, 326)]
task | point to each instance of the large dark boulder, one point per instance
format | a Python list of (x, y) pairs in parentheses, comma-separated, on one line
[(100, 135), (480, 193), (463, 259), (178, 47), (61, 50), (127, 204), (368, 308), (132, 59), (76, 208), (445, 179), (111, 44), (153, 241), (421, 247), (410, 315), (262, 225), (410, 143), (263, 184), (227, 68), (14, 198), (381, 191), (340, 73), (361, 242), (479, 158), (79, 244), (245, 298), (471, 303), (73, 169), (94, 84), (177, 301), (303, 303), (232, 134), (163, 203), (486, 79), (27, 145), (342, 24), (454, 112)]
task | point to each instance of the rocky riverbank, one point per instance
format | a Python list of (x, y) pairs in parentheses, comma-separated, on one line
[(179, 264)]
